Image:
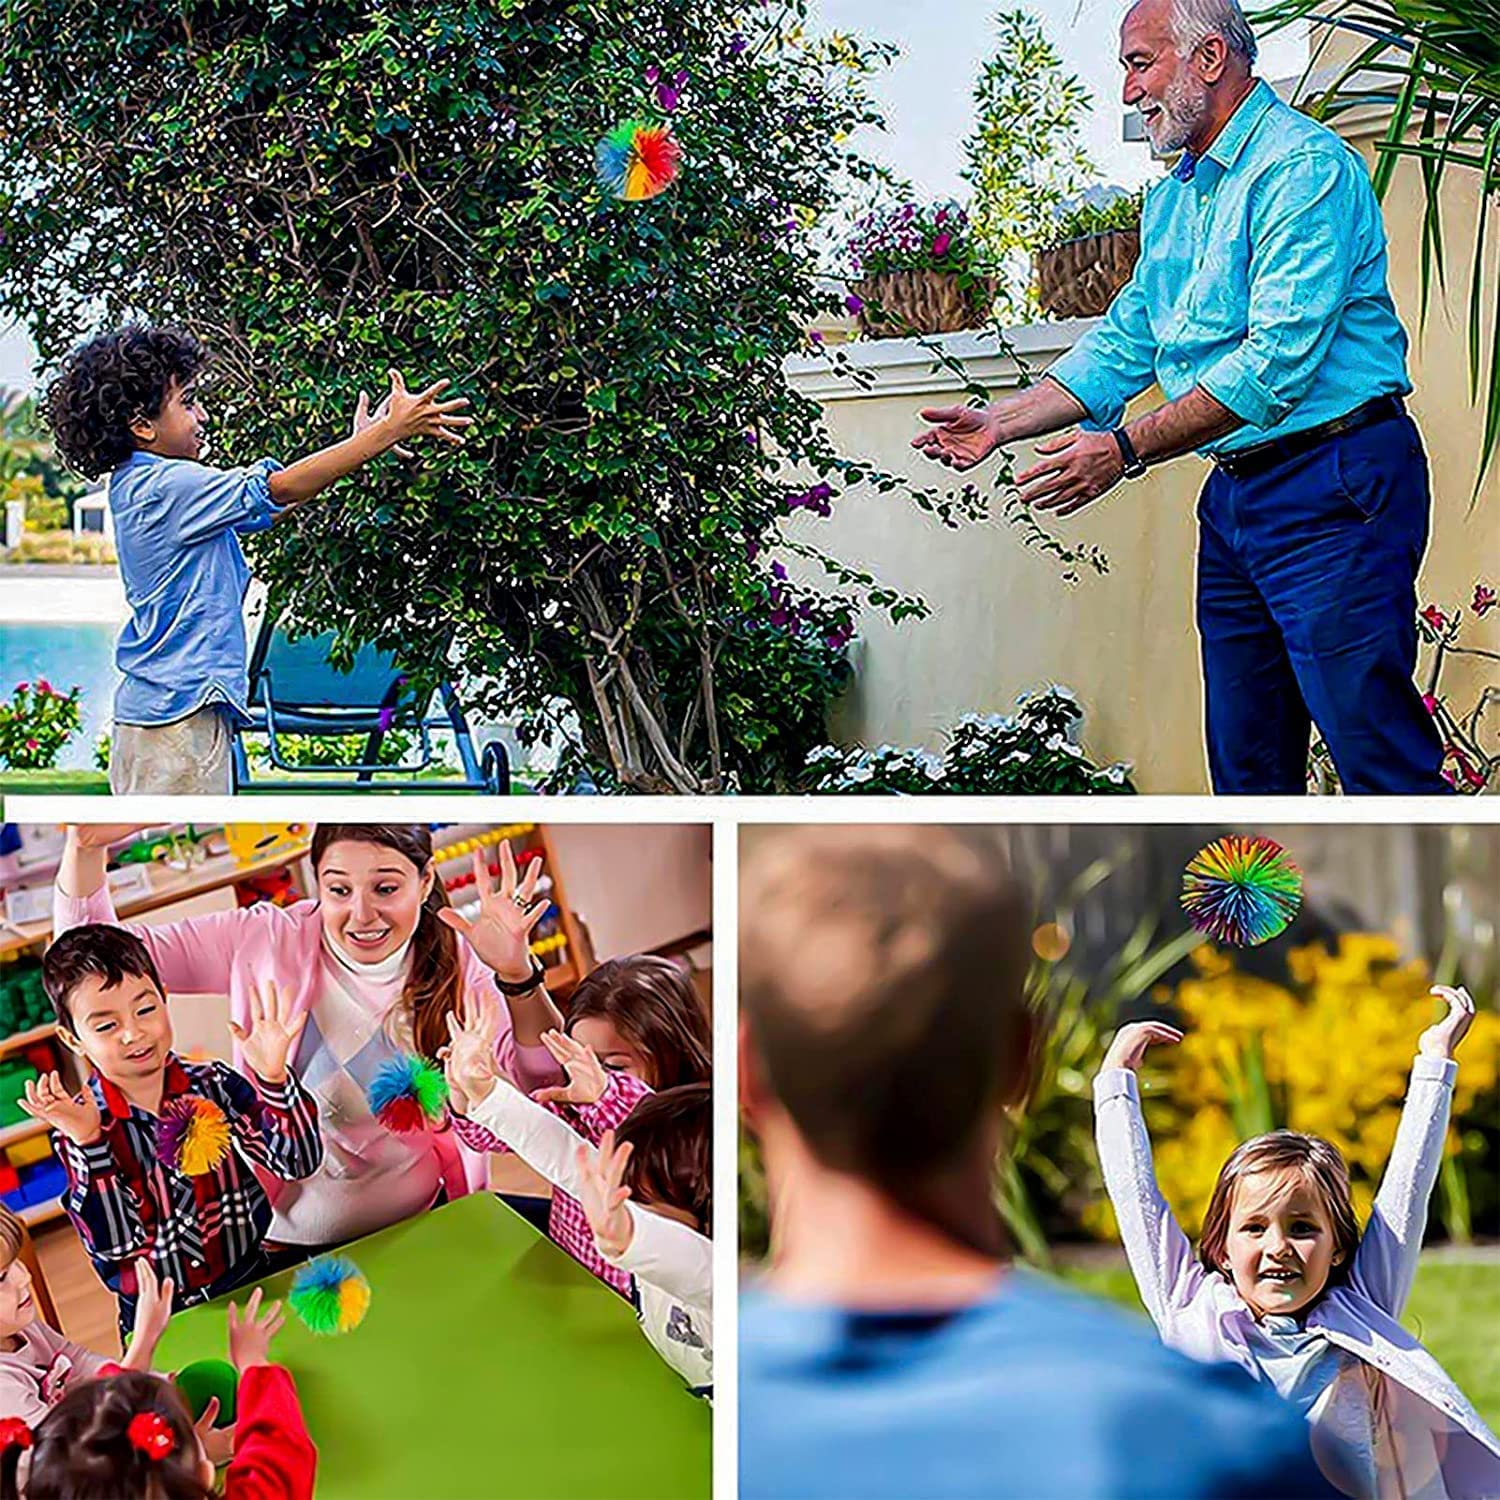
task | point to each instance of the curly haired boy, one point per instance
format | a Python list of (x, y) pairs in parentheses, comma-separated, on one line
[(126, 404)]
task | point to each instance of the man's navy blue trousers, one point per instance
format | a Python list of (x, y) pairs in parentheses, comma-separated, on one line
[(1307, 613)]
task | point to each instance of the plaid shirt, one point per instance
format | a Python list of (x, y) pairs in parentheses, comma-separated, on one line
[(567, 1224), (125, 1203)]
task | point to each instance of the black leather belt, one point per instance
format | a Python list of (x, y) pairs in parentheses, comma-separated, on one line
[(1259, 457)]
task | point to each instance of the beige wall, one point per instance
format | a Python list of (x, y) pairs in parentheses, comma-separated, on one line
[(1004, 622)]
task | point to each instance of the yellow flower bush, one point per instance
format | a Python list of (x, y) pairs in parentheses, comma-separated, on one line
[(1329, 1053)]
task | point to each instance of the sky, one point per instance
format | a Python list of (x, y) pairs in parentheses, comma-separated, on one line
[(925, 95)]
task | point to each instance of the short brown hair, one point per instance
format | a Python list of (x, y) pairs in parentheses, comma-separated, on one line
[(652, 1002), (883, 980), (671, 1161), (1321, 1166), (96, 950)]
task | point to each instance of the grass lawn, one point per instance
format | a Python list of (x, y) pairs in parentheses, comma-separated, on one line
[(53, 783), (1454, 1310)]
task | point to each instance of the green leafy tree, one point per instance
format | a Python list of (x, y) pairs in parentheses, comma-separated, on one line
[(1025, 160), (323, 190), (29, 469)]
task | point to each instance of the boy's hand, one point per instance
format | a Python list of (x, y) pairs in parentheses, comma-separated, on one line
[(1442, 1039), (420, 414), (272, 1034), (1128, 1049), (251, 1332), (587, 1079), (364, 418), (603, 1194), (469, 1058), (153, 1310), (500, 934), (79, 1119)]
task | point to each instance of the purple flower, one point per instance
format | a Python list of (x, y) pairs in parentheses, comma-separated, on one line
[(680, 78), (752, 438), (839, 636), (737, 44), (854, 303), (752, 549), (667, 98), (778, 571), (941, 244), (815, 337), (653, 73), (385, 718)]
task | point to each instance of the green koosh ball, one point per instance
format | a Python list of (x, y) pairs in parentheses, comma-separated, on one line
[(200, 1381)]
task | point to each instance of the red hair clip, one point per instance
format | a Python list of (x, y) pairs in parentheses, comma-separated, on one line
[(14, 1433), (152, 1434)]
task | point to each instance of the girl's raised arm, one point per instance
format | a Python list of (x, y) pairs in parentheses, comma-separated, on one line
[(1385, 1264), (1160, 1256)]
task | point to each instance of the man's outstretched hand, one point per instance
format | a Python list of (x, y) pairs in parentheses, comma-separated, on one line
[(1075, 470), (961, 436)]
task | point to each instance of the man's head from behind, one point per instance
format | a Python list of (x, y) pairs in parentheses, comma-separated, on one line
[(1185, 63), (109, 1001), (882, 990), (134, 388)]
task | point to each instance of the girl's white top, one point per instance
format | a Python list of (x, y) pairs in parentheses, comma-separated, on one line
[(672, 1264), (1387, 1420)]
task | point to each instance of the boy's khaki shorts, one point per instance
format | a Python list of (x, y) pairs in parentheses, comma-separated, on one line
[(189, 758)]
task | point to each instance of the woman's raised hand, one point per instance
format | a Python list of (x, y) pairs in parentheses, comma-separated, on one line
[(501, 933), (1442, 1039), (272, 1033), (1131, 1041)]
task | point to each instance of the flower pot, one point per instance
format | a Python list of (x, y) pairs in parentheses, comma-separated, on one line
[(1079, 278), (897, 303)]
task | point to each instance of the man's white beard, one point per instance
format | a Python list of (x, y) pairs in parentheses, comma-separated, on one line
[(1184, 108)]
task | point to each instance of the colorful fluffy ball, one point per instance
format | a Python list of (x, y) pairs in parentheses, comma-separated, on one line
[(192, 1135), (330, 1295), (637, 161), (407, 1094), (1241, 890)]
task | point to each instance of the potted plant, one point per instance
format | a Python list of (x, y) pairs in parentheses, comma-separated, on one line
[(916, 271), (1089, 256)]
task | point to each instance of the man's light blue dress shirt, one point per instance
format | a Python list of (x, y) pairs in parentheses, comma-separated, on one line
[(177, 527), (1262, 278)]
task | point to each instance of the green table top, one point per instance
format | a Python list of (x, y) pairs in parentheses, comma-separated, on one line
[(489, 1364)]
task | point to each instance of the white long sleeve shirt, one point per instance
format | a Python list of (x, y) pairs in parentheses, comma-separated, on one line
[(671, 1263)]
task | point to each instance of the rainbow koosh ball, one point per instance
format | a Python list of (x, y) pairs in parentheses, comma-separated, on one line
[(329, 1295), (204, 1379), (1241, 890), (408, 1094), (192, 1135), (636, 161)]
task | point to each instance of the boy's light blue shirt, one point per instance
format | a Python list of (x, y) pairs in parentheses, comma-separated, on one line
[(1262, 278), (177, 526)]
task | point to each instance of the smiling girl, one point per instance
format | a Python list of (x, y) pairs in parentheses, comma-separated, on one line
[(376, 963), (1285, 1285)]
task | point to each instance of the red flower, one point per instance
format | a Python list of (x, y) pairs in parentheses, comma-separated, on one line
[(1485, 599), (32, 745), (1436, 618), (43, 686), (941, 245), (1430, 703)]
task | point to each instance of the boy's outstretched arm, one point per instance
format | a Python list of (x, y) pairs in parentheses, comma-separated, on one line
[(1385, 1265), (402, 416), (1160, 1256)]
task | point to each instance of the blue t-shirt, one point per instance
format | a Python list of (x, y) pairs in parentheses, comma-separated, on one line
[(177, 529), (1035, 1392)]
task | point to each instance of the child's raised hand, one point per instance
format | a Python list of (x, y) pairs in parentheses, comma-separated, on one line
[(272, 1034), (420, 414), (1128, 1049), (101, 835), (587, 1078), (501, 933), (603, 1194), (469, 1058), (1442, 1039), (251, 1332), (364, 418), (153, 1310), (79, 1119), (217, 1443)]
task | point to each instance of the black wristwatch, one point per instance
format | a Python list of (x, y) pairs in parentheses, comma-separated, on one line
[(1134, 468), (525, 986)]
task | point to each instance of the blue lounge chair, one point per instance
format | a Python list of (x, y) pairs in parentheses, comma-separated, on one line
[(295, 689)]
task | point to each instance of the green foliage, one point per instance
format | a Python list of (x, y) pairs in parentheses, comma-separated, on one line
[(29, 469), (1123, 212), (325, 190), (1024, 159), (35, 724)]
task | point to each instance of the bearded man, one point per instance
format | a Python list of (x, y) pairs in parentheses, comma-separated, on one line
[(1260, 307)]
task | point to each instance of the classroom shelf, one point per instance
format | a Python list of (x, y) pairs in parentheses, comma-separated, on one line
[(23, 1131), (43, 1213), (23, 1039)]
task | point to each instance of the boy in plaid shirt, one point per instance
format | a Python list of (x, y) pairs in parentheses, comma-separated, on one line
[(125, 1200)]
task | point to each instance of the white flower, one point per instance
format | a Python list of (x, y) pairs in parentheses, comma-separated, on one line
[(1017, 755), (1054, 742), (861, 772), (1115, 774)]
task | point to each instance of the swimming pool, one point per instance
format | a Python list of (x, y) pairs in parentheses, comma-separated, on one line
[(79, 655)]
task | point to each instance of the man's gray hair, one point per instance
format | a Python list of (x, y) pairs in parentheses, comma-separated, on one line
[(1194, 21)]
